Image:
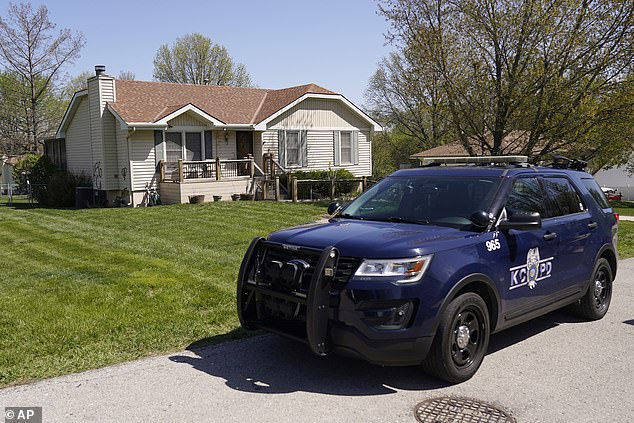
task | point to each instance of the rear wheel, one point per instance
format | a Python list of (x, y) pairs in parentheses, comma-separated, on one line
[(461, 340), (596, 302)]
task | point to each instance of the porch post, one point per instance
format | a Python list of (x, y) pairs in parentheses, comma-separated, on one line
[(218, 172), (162, 170), (180, 170), (277, 188), (294, 179), (251, 166)]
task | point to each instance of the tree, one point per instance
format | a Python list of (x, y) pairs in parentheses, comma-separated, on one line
[(195, 59), (126, 76), (34, 53), (551, 69)]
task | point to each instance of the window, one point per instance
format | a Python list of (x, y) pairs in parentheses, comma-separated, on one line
[(596, 192), (173, 146), (526, 196), (563, 197), (193, 146), (346, 147), (208, 147), (292, 148)]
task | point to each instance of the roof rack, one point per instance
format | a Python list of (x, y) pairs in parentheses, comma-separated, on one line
[(561, 162), (430, 161)]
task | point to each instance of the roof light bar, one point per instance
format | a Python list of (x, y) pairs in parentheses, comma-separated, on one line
[(474, 159)]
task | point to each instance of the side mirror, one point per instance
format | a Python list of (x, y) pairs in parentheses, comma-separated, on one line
[(521, 221), (333, 208), (481, 219)]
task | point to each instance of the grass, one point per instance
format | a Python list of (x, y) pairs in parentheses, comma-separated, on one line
[(81, 289), (625, 208), (626, 239)]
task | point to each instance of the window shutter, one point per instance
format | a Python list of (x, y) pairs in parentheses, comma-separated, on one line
[(209, 152), (303, 148), (337, 148), (158, 146), (355, 147), (281, 147)]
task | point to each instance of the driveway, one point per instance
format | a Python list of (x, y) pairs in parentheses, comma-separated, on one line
[(553, 369)]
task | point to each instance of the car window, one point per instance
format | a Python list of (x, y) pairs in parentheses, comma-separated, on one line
[(445, 200), (563, 197), (526, 196), (596, 192)]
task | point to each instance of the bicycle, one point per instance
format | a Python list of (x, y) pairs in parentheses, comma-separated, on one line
[(152, 196)]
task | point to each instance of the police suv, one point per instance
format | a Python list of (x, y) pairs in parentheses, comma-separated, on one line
[(423, 267)]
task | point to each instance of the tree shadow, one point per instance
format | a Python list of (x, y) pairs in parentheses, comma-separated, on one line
[(269, 364), (629, 322)]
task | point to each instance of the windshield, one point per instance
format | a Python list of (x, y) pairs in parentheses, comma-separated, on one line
[(439, 200)]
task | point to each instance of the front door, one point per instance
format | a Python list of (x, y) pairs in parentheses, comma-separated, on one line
[(244, 144)]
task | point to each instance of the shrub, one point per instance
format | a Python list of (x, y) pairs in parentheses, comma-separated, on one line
[(50, 187), (322, 189)]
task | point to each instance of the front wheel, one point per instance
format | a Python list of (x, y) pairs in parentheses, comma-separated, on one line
[(461, 341), (596, 302)]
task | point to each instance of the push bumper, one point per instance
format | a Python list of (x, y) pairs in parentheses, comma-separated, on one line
[(312, 314)]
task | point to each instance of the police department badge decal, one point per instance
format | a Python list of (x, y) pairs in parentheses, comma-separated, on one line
[(535, 270)]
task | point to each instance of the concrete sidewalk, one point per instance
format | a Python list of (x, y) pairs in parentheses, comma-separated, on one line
[(553, 369)]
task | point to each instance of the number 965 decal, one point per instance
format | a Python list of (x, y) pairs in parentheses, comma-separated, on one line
[(493, 245)]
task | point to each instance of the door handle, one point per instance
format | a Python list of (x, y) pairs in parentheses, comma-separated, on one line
[(592, 225), (549, 236)]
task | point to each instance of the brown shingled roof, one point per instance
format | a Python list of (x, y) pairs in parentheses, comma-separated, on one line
[(512, 144), (141, 101)]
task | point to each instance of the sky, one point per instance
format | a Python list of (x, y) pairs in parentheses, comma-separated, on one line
[(333, 43)]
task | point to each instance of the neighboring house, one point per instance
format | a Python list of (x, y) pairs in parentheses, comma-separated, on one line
[(201, 139), (512, 144), (619, 179), (6, 173)]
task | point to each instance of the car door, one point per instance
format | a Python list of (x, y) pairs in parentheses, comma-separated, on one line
[(529, 257), (570, 221)]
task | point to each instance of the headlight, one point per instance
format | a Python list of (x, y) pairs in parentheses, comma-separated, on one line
[(409, 269)]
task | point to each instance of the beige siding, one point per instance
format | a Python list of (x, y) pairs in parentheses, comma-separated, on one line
[(318, 113), (111, 169), (224, 149), (321, 151), (123, 159), (78, 148), (100, 91), (186, 119), (142, 156)]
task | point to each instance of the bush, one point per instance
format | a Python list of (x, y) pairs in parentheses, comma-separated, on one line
[(37, 170), (50, 187), (322, 189)]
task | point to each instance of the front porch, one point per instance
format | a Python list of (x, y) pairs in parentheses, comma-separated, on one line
[(215, 178)]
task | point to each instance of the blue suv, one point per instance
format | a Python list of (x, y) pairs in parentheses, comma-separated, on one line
[(423, 267)]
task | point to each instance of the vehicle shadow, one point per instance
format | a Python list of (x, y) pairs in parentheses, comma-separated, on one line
[(269, 364)]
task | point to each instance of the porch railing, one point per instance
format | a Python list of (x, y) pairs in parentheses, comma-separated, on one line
[(214, 170)]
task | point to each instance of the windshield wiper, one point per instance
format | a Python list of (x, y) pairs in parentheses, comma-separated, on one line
[(406, 220)]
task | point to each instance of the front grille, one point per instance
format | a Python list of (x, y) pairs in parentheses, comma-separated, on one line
[(345, 267)]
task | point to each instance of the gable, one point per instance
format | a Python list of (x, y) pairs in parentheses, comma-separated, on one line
[(314, 113), (187, 119)]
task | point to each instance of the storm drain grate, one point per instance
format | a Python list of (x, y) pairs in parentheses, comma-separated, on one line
[(460, 410)]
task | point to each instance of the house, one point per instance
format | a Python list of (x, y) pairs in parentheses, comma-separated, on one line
[(512, 144), (7, 183), (207, 140)]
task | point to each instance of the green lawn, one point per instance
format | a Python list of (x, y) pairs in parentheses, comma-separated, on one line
[(626, 208), (626, 239), (81, 289)]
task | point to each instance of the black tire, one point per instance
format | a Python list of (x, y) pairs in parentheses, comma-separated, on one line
[(595, 303), (446, 359)]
